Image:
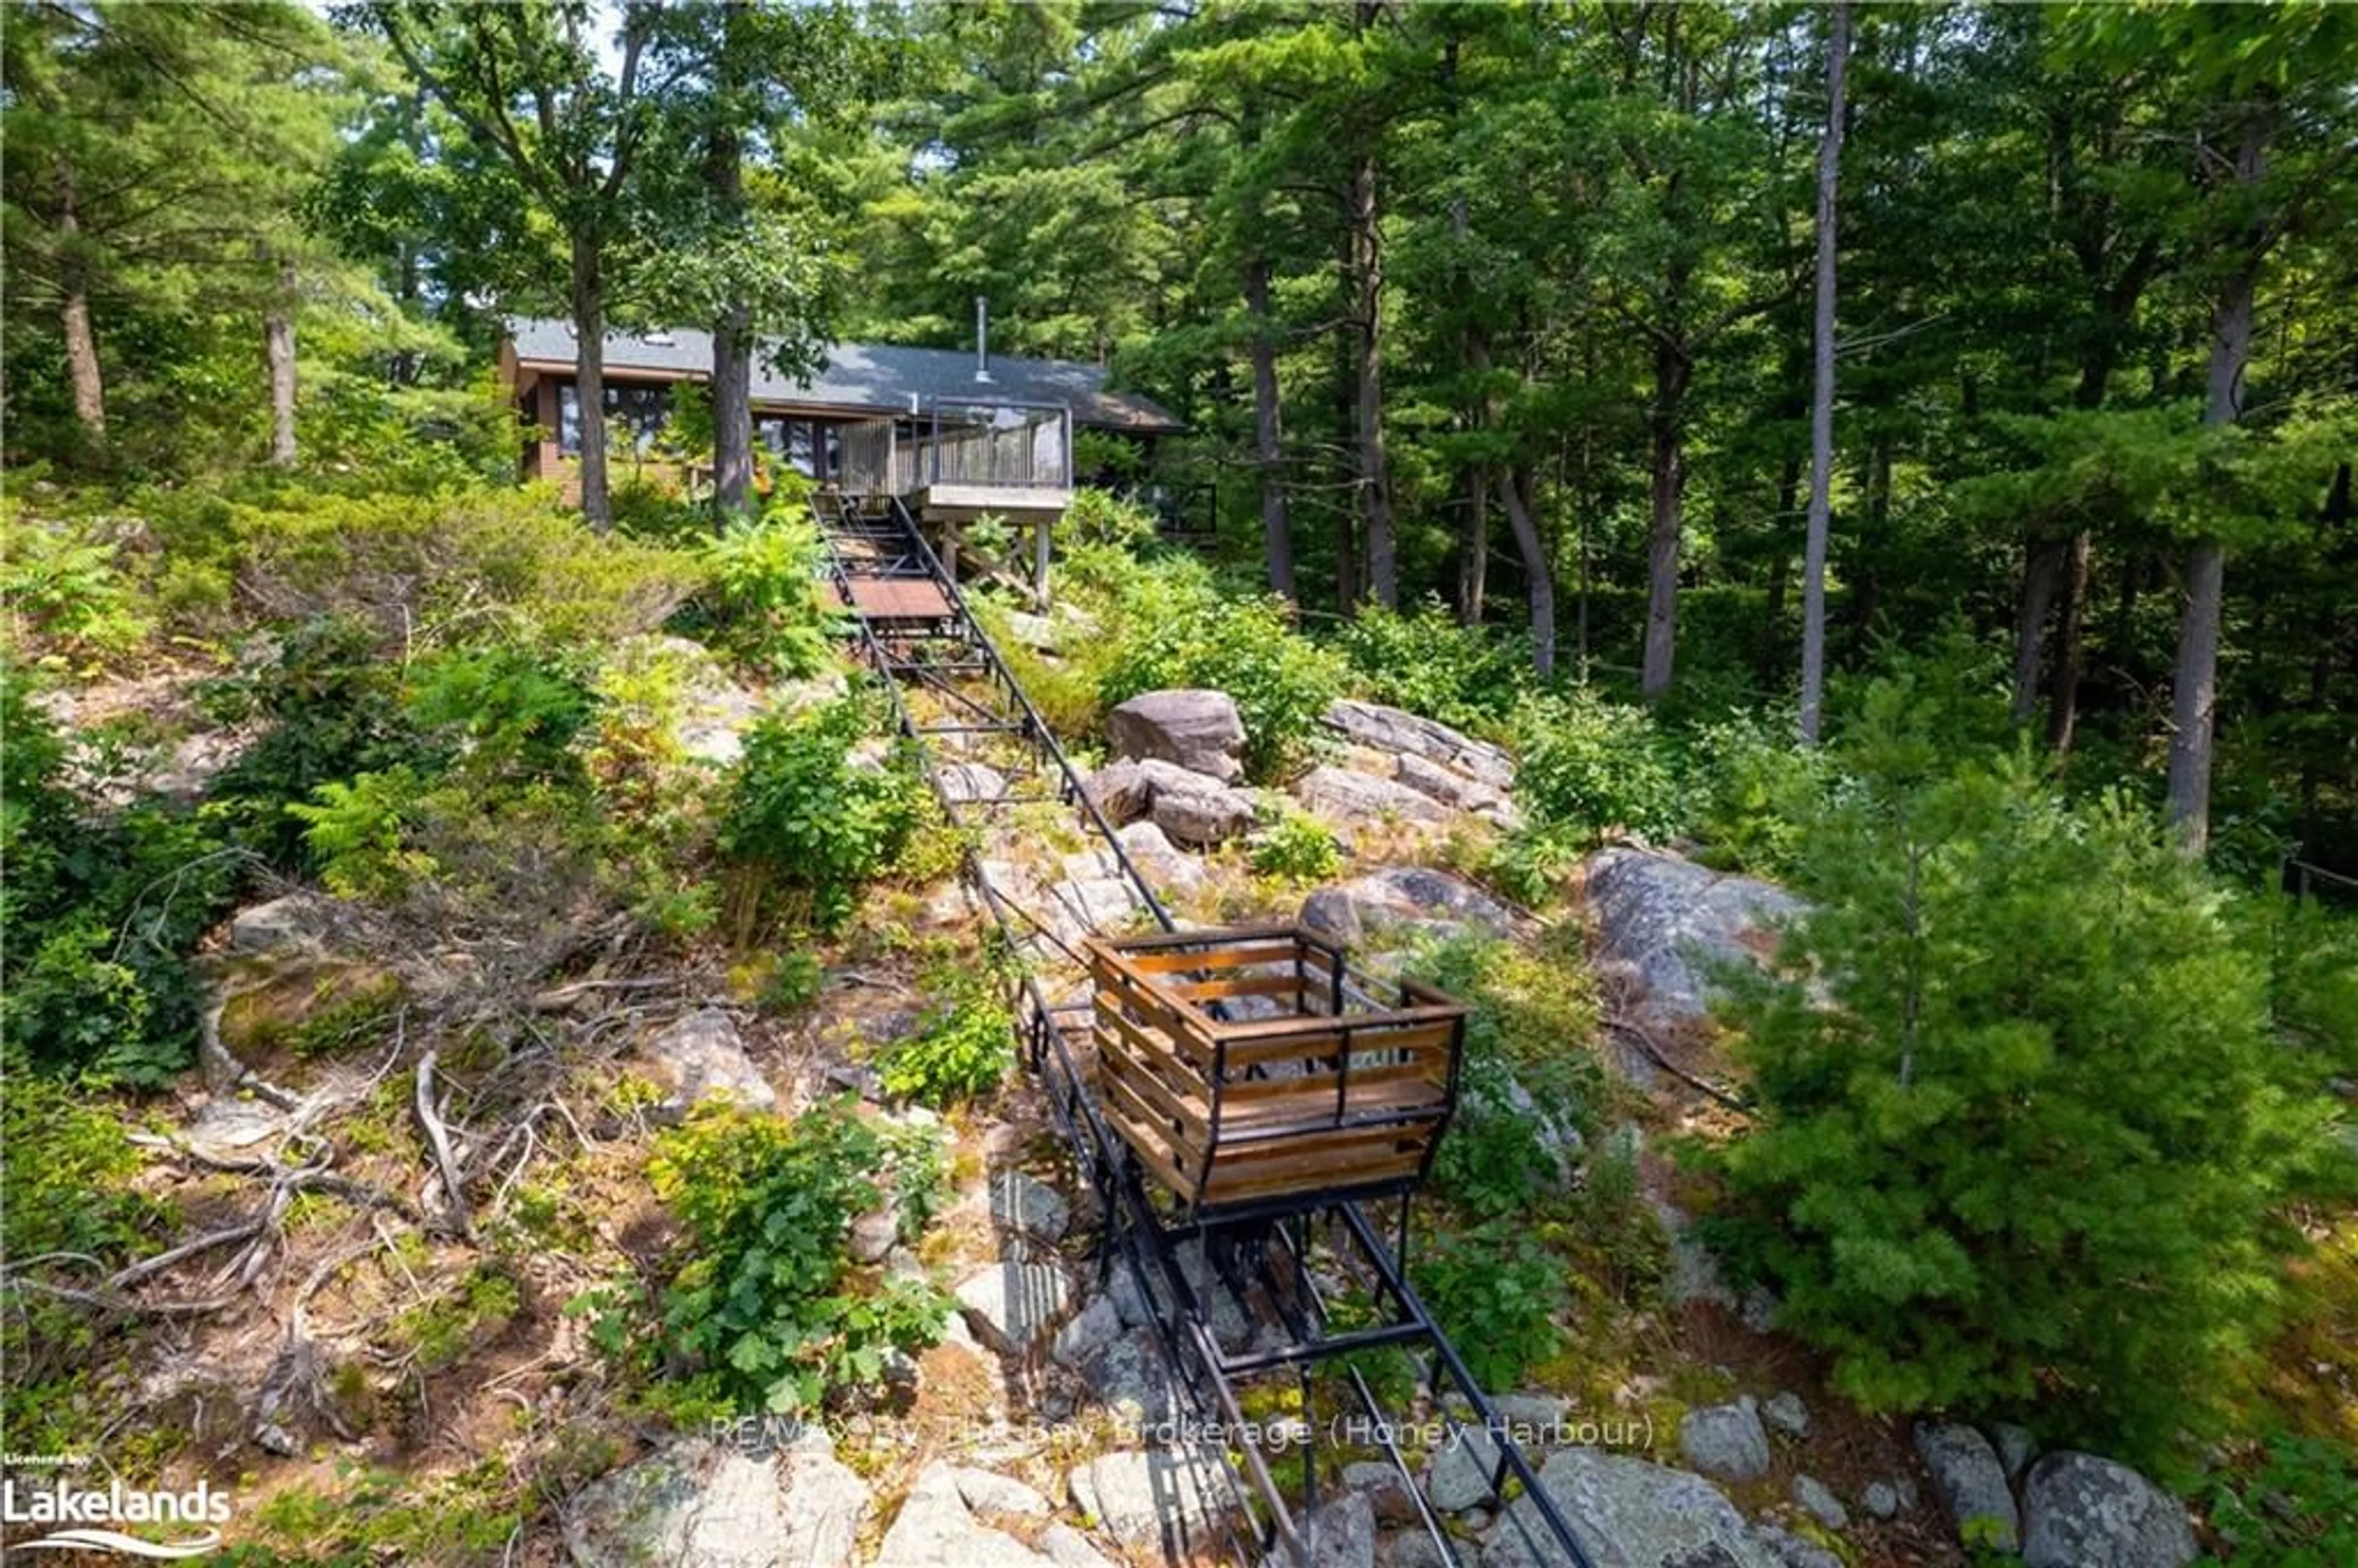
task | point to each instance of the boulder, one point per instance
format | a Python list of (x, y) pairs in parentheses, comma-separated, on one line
[(694, 1501), (1787, 1413), (1396, 731), (1818, 1501), (702, 1057), (1406, 900), (1455, 790), (299, 922), (1200, 731), (1972, 1483), (1028, 1206), (2015, 1448), (1092, 904), (1461, 1468), (1129, 1378), (1791, 1550), (1342, 1533), (1203, 817), (1344, 800), (1161, 862), (873, 1235), (1153, 1499), (1387, 1493), (706, 712), (1092, 1328), (1670, 922), (935, 1530), (2082, 1511), (1120, 791), (970, 780), (1880, 1499), (1011, 1305), (1626, 1513), (1726, 1441)]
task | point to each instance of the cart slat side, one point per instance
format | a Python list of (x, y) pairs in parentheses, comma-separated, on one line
[(1329, 1096)]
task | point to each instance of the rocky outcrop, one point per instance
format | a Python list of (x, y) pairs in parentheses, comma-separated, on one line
[(2081, 1511), (1407, 900), (702, 1057), (706, 712), (1162, 1500), (1024, 1205), (1667, 922), (297, 921), (1190, 807), (1626, 1513), (1971, 1485), (940, 1524), (1198, 730), (1010, 1306), (1403, 734), (695, 1501), (1726, 1441), (1346, 801)]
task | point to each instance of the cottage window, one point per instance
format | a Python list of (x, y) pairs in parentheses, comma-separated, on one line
[(641, 410)]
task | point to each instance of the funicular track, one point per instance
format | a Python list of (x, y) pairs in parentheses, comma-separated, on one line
[(1237, 1297)]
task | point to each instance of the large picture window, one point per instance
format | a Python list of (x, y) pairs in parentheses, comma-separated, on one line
[(802, 445), (643, 410)]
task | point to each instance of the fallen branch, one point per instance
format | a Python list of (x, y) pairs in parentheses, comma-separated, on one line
[(108, 1301), (148, 1267), (437, 1137), (1628, 1027)]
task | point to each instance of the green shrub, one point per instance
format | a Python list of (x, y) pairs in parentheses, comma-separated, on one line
[(808, 821), (2024, 1120), (2298, 1509), (763, 599), (1297, 848), (334, 711), (798, 981), (1175, 630), (961, 1048), (1426, 663), (1498, 1292), (516, 713), (66, 600), (98, 915), (355, 833), (1751, 785), (1593, 768), (766, 1303), (1100, 517)]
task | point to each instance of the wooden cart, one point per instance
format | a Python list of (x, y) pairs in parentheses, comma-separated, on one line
[(1249, 1069)]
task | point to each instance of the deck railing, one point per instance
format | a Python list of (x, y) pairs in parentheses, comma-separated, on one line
[(994, 446)]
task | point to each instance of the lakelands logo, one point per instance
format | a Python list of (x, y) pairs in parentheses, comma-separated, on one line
[(86, 1516)]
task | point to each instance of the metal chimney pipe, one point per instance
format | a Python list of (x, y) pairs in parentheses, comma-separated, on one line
[(982, 339)]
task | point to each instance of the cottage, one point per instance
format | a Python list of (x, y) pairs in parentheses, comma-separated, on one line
[(954, 434)]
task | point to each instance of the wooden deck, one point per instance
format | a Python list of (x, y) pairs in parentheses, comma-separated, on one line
[(895, 598), (1315, 1097)]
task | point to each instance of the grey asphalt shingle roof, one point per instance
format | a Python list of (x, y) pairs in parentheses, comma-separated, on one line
[(868, 375)]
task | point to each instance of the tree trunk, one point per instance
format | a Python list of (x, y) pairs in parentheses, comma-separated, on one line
[(2042, 568), (2064, 704), (1375, 478), (1269, 436), (1822, 396), (1667, 425), (81, 343), (2194, 680), (1474, 547), (732, 334), (279, 335), (1515, 493), (590, 379)]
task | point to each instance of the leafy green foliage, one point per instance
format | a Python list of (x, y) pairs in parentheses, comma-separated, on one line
[(2298, 1509), (1297, 848), (1426, 661), (66, 600), (962, 1046), (764, 591), (1174, 630), (355, 834), (2031, 1149), (97, 917), (765, 1303), (1499, 1293), (807, 819), (1593, 768), (1751, 785), (1099, 516)]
